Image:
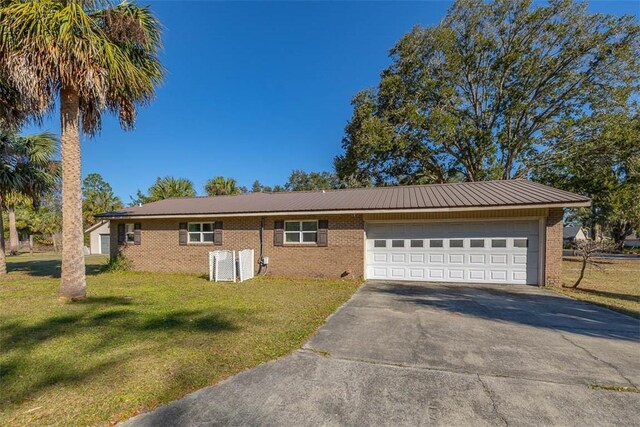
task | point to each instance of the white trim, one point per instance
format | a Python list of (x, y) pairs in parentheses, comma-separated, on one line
[(96, 225), (355, 212)]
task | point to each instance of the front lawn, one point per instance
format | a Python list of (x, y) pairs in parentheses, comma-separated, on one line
[(141, 339), (617, 286)]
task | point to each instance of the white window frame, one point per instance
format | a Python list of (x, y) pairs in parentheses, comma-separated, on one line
[(129, 233), (300, 233), (200, 233)]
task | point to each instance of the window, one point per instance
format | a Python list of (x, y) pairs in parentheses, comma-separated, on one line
[(379, 243), (305, 232), (476, 243), (129, 233), (435, 243), (397, 243), (498, 243), (520, 243), (417, 243), (201, 232), (456, 243)]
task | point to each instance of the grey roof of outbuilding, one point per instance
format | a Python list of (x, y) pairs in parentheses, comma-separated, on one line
[(484, 194), (570, 231)]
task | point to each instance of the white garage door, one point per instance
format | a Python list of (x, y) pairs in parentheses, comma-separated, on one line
[(482, 252)]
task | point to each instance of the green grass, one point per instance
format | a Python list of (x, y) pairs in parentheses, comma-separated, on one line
[(615, 286), (141, 339)]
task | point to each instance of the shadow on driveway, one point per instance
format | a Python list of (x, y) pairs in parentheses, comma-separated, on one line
[(518, 304)]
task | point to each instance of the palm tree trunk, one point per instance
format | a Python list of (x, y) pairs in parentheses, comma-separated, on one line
[(73, 282), (3, 261), (13, 230)]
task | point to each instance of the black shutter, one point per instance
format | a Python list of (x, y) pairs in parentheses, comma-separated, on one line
[(121, 235), (137, 233), (182, 234), (278, 233), (323, 232), (217, 233)]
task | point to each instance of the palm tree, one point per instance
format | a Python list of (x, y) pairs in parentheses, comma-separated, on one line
[(27, 171), (221, 186), (94, 56), (165, 188)]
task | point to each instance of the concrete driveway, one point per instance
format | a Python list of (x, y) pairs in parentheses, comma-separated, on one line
[(414, 354)]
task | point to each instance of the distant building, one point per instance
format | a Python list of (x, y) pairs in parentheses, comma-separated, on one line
[(99, 238)]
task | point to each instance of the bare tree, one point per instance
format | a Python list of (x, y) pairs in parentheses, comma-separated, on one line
[(587, 250)]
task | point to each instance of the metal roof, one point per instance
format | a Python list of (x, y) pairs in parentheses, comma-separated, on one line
[(432, 197)]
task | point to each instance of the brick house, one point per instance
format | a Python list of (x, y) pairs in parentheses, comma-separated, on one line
[(492, 232)]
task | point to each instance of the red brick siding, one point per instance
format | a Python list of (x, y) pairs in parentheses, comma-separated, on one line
[(159, 249), (553, 247)]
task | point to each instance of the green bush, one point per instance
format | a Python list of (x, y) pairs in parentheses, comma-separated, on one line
[(117, 264)]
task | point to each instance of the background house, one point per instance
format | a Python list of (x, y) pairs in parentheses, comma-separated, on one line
[(99, 238), (572, 234)]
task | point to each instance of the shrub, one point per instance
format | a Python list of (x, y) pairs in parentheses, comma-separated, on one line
[(117, 264)]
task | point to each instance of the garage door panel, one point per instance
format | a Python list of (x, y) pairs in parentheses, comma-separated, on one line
[(436, 258), (476, 275), (498, 259), (456, 274), (417, 273), (379, 257), (398, 273), (398, 258), (417, 258), (456, 259), (436, 273), (503, 252), (520, 259), (498, 275), (477, 258)]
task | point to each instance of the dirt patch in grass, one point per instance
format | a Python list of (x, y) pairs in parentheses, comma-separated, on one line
[(616, 285), (141, 339)]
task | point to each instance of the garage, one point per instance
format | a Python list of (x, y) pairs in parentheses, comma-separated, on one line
[(505, 251)]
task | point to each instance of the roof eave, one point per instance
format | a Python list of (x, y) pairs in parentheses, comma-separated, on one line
[(572, 204)]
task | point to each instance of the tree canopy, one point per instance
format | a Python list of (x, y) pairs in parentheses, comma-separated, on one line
[(599, 156), (469, 98), (97, 197)]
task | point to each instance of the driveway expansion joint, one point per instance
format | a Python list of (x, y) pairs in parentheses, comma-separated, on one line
[(327, 355), (615, 368), (489, 393)]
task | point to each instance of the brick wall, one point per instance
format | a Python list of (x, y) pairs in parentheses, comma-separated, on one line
[(553, 247), (159, 249)]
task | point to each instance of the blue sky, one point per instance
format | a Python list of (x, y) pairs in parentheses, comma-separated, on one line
[(254, 90)]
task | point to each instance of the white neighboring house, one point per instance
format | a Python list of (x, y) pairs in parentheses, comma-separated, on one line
[(573, 234), (99, 238)]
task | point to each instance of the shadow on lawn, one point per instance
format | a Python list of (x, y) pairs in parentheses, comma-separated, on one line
[(45, 267), (508, 303), (606, 294), (101, 326)]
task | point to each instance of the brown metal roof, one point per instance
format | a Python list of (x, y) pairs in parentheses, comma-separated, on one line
[(466, 195)]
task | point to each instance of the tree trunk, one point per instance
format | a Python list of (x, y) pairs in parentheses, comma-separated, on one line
[(14, 244), (581, 276), (30, 244), (72, 281), (3, 261)]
